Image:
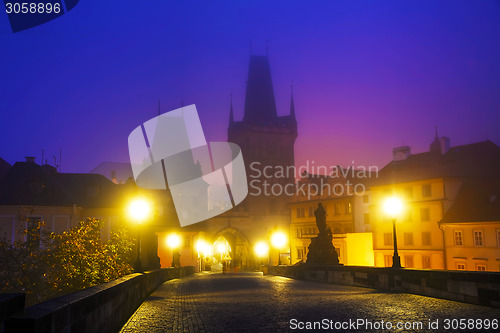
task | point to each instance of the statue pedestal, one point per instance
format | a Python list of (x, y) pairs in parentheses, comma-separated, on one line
[(322, 251)]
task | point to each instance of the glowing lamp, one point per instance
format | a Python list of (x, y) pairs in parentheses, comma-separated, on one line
[(393, 206), (173, 241), (139, 210), (278, 239), (261, 249)]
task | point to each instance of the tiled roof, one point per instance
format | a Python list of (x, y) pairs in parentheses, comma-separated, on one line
[(31, 184), (481, 159), (476, 201)]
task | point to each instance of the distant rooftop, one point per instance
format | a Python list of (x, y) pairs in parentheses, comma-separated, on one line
[(477, 201), (28, 183), (480, 159)]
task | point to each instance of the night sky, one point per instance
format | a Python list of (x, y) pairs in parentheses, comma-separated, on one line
[(367, 75)]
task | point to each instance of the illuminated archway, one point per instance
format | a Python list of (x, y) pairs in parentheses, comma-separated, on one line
[(240, 249)]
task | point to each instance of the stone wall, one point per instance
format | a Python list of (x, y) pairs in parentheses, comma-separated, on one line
[(102, 308), (481, 288)]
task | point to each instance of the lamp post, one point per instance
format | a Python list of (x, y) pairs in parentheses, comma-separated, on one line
[(222, 247), (278, 240), (261, 250), (173, 241), (139, 210), (203, 249), (393, 207)]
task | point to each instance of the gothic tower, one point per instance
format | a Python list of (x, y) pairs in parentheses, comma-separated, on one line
[(266, 140)]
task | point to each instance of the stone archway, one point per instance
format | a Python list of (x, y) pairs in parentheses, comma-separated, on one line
[(241, 255)]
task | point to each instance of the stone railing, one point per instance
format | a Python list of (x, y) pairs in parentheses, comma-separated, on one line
[(102, 308), (470, 287)]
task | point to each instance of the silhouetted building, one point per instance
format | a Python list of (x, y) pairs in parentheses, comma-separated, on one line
[(4, 168), (30, 192)]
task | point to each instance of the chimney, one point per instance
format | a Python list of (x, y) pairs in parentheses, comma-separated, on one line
[(113, 176), (445, 144), (401, 153), (30, 159)]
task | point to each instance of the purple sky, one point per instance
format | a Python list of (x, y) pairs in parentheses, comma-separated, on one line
[(367, 75)]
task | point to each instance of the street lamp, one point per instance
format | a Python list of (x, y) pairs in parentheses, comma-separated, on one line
[(261, 250), (139, 210), (393, 207), (278, 240), (173, 242), (204, 250)]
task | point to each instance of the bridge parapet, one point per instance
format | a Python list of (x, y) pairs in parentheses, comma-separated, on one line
[(482, 288), (102, 308)]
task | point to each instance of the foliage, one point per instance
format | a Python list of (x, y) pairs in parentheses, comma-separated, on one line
[(56, 264)]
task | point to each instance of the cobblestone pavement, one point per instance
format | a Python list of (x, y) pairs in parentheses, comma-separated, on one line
[(209, 302)]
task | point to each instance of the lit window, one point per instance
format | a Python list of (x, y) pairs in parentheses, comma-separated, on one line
[(426, 238), (299, 233), (426, 190), (408, 237), (366, 218), (460, 266), (409, 261), (425, 214), (348, 208), (478, 238), (300, 253), (388, 238), (426, 262), (458, 238), (481, 267), (300, 212)]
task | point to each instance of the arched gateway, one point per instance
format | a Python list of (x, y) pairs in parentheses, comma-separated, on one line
[(240, 249)]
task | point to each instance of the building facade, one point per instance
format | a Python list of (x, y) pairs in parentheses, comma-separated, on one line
[(428, 184), (471, 227)]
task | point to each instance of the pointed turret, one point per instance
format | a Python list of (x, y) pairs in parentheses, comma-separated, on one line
[(260, 105), (436, 144)]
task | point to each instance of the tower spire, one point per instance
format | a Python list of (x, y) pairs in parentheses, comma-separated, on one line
[(260, 105), (231, 115), (292, 104), (435, 146)]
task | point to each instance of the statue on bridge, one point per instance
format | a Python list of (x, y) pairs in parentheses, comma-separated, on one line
[(321, 250)]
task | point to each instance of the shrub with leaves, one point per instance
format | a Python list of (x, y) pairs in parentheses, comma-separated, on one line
[(55, 264)]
